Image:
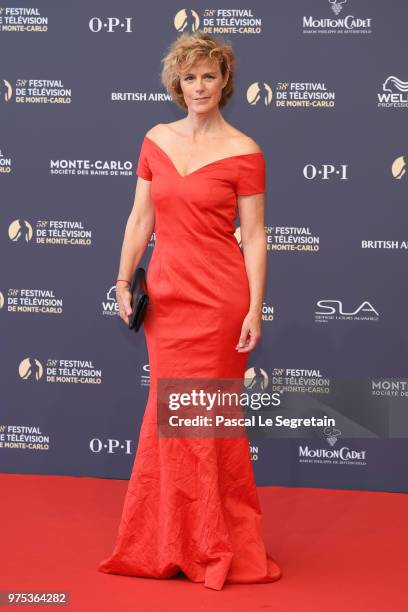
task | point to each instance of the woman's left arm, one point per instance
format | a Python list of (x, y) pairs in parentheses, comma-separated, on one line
[(253, 238)]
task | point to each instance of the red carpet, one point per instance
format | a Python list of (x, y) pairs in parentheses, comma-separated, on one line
[(338, 550)]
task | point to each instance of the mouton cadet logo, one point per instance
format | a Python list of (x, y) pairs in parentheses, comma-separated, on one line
[(344, 24)]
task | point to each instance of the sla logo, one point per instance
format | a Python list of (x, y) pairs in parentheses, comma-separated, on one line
[(110, 24), (110, 307), (259, 92), (395, 93), (399, 167), (333, 310), (20, 229), (186, 20), (325, 172), (256, 378), (111, 446)]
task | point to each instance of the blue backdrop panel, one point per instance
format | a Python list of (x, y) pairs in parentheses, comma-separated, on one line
[(322, 87)]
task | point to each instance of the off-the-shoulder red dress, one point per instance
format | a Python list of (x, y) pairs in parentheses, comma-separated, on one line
[(191, 504)]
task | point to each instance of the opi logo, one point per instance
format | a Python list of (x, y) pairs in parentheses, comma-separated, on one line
[(111, 446), (110, 24), (325, 172)]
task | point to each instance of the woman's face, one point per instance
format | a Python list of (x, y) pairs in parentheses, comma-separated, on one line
[(202, 86)]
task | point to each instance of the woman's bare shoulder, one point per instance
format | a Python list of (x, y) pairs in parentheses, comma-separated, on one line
[(243, 143), (155, 131), (161, 130)]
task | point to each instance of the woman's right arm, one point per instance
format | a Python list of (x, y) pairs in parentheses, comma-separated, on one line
[(139, 228)]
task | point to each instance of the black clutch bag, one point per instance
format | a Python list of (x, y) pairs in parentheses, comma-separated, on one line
[(139, 299)]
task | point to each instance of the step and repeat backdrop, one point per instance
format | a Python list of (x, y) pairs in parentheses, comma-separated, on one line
[(322, 86)]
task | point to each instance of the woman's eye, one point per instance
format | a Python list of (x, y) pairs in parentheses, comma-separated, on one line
[(209, 76)]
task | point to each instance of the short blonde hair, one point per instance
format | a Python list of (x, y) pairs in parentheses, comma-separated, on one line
[(185, 51)]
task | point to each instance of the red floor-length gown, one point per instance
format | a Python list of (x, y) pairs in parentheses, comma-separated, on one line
[(192, 505)]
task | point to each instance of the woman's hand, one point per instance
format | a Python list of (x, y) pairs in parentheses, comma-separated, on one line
[(250, 332), (123, 297)]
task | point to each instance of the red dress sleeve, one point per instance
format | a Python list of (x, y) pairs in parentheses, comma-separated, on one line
[(143, 169), (251, 174)]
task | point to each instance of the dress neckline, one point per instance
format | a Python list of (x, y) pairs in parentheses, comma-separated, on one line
[(216, 161)]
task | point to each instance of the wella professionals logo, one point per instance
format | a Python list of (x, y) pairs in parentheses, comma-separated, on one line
[(186, 20), (347, 24), (394, 93), (110, 307), (399, 167)]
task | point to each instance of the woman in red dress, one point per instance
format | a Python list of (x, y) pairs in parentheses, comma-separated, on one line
[(191, 504)]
